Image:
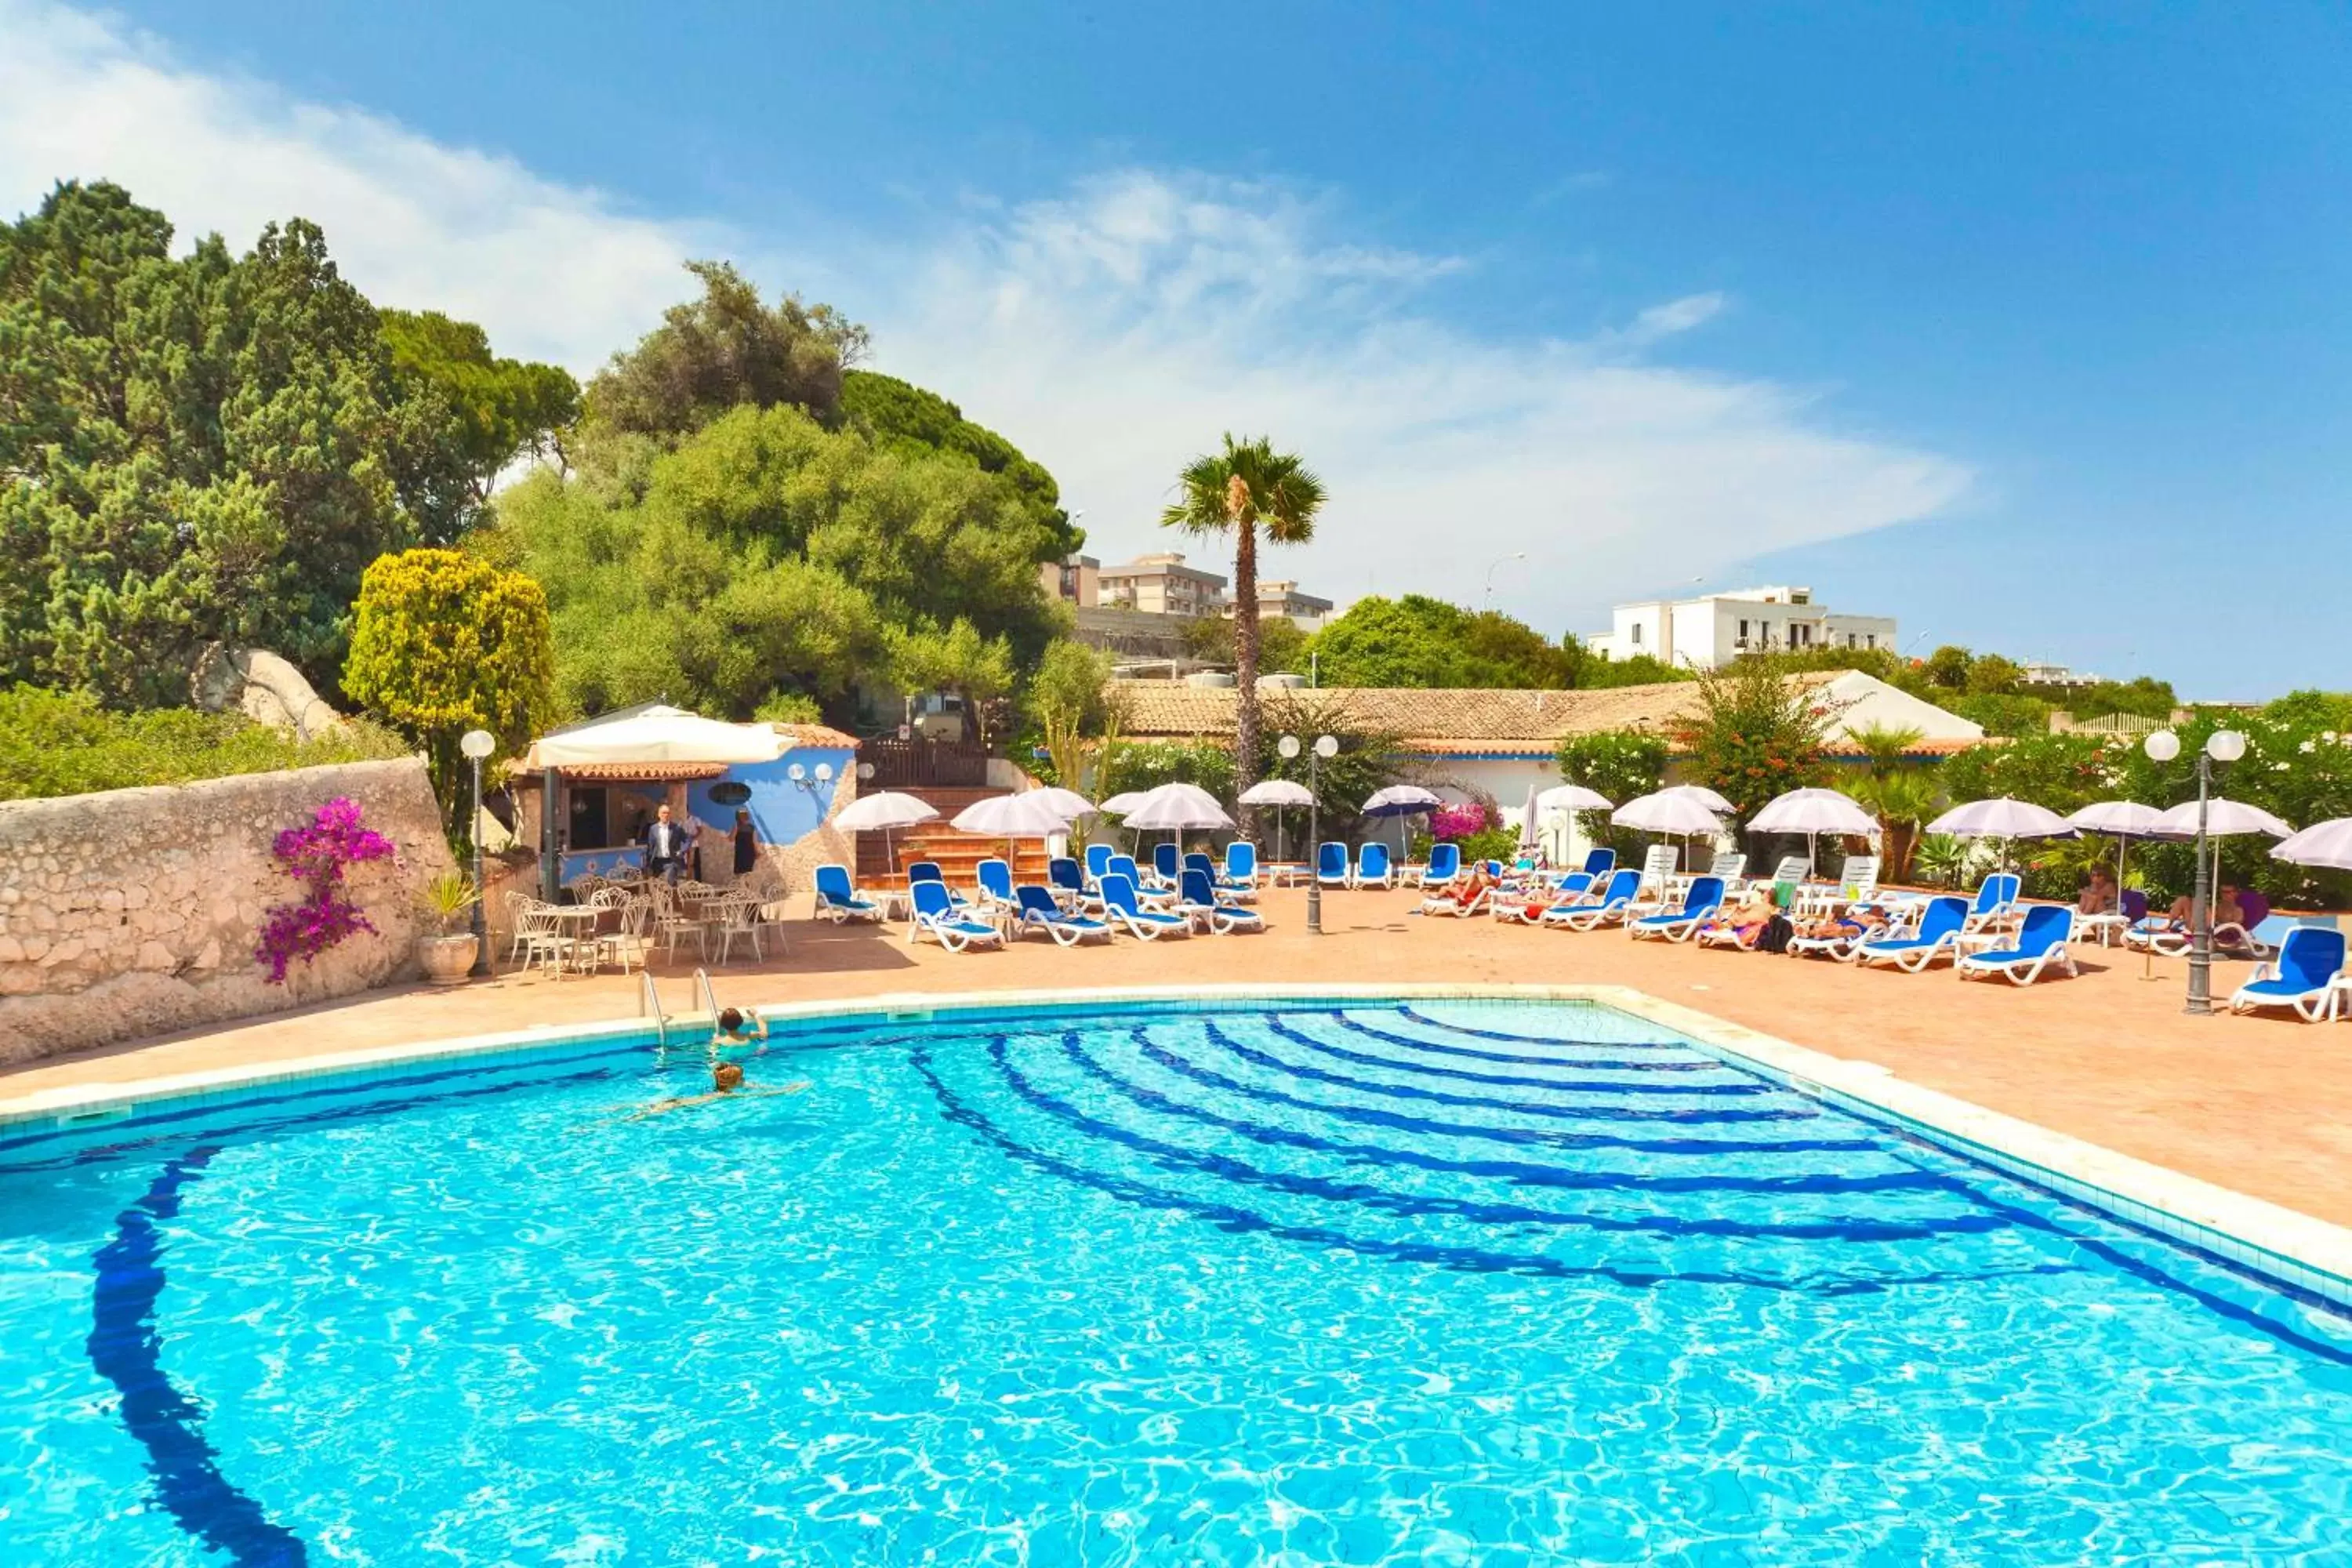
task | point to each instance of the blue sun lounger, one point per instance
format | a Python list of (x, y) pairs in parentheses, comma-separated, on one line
[(1705, 896), (1332, 863), (1241, 865), (938, 919), (1198, 901), (1121, 908), (1570, 893), (2303, 976), (837, 900), (1615, 901), (1040, 912), (1939, 936), (1444, 865), (1373, 866), (2041, 942)]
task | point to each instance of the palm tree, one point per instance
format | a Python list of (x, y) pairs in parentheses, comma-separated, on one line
[(1247, 486), (1899, 796)]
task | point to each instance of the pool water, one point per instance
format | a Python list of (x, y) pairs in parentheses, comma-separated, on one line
[(1293, 1283)]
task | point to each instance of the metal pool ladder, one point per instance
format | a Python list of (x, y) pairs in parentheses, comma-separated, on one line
[(649, 1003), (709, 998)]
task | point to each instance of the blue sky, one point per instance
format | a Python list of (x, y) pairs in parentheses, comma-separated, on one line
[(2026, 325)]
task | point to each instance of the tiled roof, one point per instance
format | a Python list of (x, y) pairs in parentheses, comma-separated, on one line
[(816, 735)]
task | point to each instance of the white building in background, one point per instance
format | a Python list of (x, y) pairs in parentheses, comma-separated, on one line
[(1714, 629)]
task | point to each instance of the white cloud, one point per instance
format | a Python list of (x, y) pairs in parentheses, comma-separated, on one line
[(1674, 316), (1112, 333)]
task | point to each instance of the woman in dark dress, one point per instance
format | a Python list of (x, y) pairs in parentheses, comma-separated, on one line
[(747, 844)]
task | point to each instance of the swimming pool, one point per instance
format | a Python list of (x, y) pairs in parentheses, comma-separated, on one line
[(1297, 1280)]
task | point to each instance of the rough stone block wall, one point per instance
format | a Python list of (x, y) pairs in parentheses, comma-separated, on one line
[(134, 913)]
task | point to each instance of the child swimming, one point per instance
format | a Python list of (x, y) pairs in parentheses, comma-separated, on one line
[(726, 1078)]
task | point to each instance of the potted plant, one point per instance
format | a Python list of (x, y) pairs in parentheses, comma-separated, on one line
[(446, 950)]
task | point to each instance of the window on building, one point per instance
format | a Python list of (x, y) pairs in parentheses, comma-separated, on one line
[(1637, 639), (1743, 631)]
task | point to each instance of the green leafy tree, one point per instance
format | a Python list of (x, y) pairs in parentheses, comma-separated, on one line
[(1949, 667), (956, 658), (194, 448), (1419, 641), (2002, 714), (1622, 764), (446, 644), (900, 417), (503, 408), (1641, 669), (725, 351), (1991, 675), (1756, 734), (1281, 645), (1246, 487)]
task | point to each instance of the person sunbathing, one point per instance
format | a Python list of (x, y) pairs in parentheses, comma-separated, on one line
[(1746, 919), (1860, 921), (2098, 894), (1464, 896)]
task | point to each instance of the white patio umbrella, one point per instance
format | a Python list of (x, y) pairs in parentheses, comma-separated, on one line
[(1706, 797), (660, 735), (1120, 805), (1277, 793), (1573, 797), (1528, 839), (2003, 817), (2122, 820), (1669, 815), (883, 810), (1012, 817), (1176, 807), (2326, 845), (1813, 811), (2224, 819), (1068, 802)]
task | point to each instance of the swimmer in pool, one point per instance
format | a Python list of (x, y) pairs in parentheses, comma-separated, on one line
[(726, 1078), (736, 1028)]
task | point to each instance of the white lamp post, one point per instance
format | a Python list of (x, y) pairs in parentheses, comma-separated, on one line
[(478, 744), (1324, 746), (2221, 746)]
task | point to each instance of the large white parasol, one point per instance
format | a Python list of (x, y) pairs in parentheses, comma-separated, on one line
[(884, 811), (660, 735)]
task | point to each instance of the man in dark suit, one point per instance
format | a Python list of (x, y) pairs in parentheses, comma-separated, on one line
[(665, 846)]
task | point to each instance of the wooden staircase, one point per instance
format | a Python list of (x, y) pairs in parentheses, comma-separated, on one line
[(957, 853)]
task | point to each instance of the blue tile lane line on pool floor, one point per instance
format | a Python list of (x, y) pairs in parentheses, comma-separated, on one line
[(124, 1350)]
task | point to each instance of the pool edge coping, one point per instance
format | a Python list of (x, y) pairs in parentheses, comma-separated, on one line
[(2295, 1249)]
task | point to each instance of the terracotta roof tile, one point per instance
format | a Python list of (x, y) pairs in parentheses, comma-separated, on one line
[(822, 735)]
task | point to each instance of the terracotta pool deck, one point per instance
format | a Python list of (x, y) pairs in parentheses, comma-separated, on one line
[(2260, 1105)]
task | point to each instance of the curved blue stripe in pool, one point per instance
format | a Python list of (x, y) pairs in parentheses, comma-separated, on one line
[(1517, 1172), (123, 1349), (1662, 1062), (1526, 1137), (1407, 1010), (1439, 1097), (1744, 1089), (1229, 1217), (1174, 1156)]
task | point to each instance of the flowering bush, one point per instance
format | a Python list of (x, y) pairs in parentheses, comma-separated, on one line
[(315, 856), (1453, 822)]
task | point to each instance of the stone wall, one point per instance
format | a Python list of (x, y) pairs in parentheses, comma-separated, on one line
[(134, 913)]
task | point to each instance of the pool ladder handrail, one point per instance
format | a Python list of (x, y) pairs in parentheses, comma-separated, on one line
[(649, 1002), (709, 998)]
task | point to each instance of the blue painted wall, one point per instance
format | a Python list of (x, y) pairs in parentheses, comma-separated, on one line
[(783, 811)]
